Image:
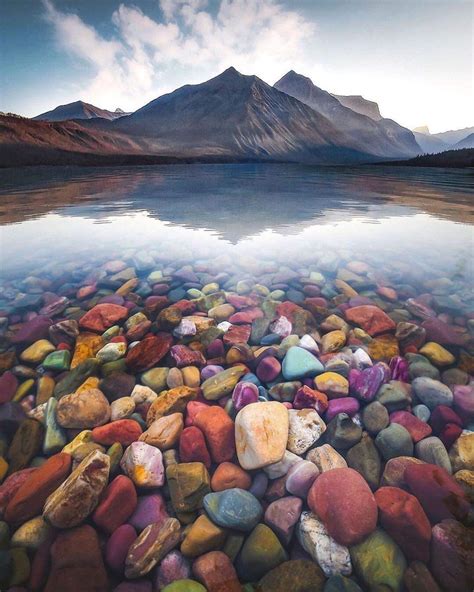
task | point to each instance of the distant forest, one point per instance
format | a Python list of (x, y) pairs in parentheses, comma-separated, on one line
[(462, 158)]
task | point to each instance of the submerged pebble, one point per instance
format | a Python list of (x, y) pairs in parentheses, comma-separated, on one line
[(179, 425)]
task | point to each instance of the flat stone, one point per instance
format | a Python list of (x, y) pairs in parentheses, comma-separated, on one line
[(233, 508)]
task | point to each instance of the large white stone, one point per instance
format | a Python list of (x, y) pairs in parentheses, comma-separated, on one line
[(332, 558), (261, 434), (305, 429)]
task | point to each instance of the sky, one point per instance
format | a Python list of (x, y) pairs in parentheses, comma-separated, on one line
[(414, 57)]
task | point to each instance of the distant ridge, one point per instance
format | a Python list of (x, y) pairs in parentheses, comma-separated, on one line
[(360, 105), (384, 138), (79, 110)]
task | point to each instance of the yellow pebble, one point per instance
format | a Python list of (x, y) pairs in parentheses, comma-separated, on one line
[(3, 468), (437, 354)]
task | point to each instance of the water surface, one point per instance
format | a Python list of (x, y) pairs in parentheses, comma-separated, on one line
[(290, 214)]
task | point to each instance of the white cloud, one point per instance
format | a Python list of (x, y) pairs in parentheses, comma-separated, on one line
[(146, 57)]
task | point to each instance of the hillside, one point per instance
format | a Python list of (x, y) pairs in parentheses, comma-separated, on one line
[(79, 110)]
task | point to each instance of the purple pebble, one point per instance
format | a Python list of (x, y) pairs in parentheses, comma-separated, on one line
[(300, 477), (216, 349), (244, 394), (137, 586), (150, 509), (210, 370), (347, 405), (173, 566), (259, 485), (118, 545), (268, 369)]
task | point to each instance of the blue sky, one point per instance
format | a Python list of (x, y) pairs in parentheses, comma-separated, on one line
[(415, 58)]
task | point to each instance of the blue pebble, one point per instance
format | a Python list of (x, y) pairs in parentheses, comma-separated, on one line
[(270, 339), (300, 363), (251, 377), (233, 508)]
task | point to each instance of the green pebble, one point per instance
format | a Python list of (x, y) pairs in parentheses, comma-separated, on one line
[(20, 567), (184, 586), (115, 453), (111, 367), (194, 293), (74, 379), (243, 287), (155, 379), (277, 294), (155, 277), (4, 535), (210, 288), (261, 290), (55, 438), (111, 332), (58, 360)]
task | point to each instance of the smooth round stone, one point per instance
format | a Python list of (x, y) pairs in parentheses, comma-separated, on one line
[(117, 547), (332, 384), (347, 405), (394, 395), (415, 427), (464, 402), (174, 567), (344, 503), (394, 441), (259, 445), (259, 485), (342, 432), (365, 459), (378, 562), (151, 547), (268, 369), (184, 586), (422, 412), (282, 515), (297, 575), (403, 518), (375, 417), (305, 429), (461, 453), (37, 352), (325, 458), (452, 556), (431, 450), (111, 352), (432, 392), (164, 433), (437, 354), (79, 495), (333, 341), (341, 584), (261, 552), (216, 572), (122, 408), (31, 534), (244, 393), (281, 468), (439, 494), (83, 410), (233, 508), (300, 363), (300, 477), (150, 509), (332, 558), (144, 465), (202, 536)]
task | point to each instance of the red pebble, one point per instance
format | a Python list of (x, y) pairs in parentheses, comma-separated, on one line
[(402, 516), (219, 431), (343, 501), (216, 572), (440, 495), (41, 564), (192, 409), (417, 428), (449, 434), (192, 447), (117, 504), (124, 431), (442, 415)]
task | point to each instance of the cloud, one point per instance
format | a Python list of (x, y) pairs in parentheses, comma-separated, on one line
[(192, 42)]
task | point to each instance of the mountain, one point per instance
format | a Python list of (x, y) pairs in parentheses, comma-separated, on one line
[(360, 105), (79, 110), (243, 116), (384, 138), (430, 144), (467, 142), (25, 142), (422, 129), (455, 136)]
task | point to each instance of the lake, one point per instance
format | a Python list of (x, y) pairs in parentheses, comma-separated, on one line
[(273, 343), (282, 213)]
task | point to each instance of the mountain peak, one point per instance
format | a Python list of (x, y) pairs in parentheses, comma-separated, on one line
[(422, 129), (293, 76)]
